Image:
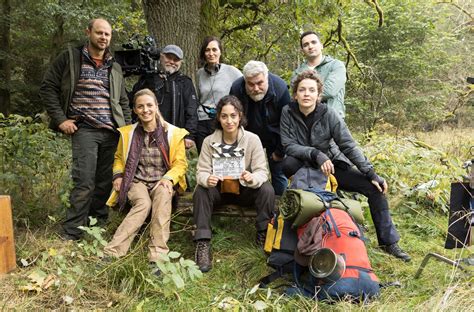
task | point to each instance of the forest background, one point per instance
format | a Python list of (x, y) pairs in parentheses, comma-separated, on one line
[(407, 102)]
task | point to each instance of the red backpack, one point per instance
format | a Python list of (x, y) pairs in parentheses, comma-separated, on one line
[(342, 235)]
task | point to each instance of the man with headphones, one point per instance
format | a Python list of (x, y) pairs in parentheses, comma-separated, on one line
[(174, 91)]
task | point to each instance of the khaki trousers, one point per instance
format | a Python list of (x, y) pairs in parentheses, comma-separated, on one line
[(158, 200)]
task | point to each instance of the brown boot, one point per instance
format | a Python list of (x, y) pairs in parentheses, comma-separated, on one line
[(203, 255)]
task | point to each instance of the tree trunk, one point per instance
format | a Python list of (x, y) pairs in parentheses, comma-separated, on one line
[(5, 69), (183, 23)]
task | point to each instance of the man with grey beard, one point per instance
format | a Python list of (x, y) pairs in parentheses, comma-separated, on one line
[(174, 91), (263, 96)]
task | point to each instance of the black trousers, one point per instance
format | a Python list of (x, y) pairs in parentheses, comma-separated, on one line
[(204, 128), (352, 180), (205, 199), (92, 159)]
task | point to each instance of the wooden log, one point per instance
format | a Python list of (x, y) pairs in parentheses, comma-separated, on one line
[(185, 208), (7, 244)]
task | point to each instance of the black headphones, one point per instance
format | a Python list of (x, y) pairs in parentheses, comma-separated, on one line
[(214, 69)]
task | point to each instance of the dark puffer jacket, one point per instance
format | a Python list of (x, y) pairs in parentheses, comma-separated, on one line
[(329, 138)]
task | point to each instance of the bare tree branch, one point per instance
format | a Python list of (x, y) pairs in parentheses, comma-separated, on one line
[(457, 6), (375, 4)]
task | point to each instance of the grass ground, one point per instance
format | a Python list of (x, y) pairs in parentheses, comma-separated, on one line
[(68, 276)]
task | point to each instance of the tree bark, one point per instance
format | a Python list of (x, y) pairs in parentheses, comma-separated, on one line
[(183, 23), (5, 68)]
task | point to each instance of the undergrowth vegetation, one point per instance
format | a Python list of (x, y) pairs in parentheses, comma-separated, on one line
[(53, 274)]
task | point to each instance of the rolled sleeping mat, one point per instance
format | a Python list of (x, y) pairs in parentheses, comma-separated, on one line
[(302, 206)]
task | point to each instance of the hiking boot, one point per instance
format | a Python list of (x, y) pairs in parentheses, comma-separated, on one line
[(396, 251), (260, 239), (67, 237), (203, 256)]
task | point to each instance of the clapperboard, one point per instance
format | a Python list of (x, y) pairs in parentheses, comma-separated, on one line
[(228, 161)]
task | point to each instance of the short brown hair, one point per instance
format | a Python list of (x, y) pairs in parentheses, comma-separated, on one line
[(234, 101), (92, 22), (306, 33), (309, 74)]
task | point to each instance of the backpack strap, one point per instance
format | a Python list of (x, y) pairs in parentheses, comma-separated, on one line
[(264, 281), (338, 233), (298, 270), (359, 268)]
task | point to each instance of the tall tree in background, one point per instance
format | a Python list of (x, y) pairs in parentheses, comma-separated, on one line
[(5, 70)]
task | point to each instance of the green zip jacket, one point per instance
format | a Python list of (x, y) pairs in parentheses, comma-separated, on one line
[(333, 73), (60, 81)]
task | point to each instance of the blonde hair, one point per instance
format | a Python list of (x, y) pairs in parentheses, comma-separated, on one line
[(150, 93)]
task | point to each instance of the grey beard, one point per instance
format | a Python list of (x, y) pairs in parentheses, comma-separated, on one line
[(257, 97)]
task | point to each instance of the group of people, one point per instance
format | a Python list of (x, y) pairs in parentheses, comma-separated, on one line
[(250, 112)]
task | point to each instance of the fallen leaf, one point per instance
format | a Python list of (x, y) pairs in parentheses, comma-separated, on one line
[(68, 299), (37, 276), (49, 280), (259, 305), (24, 262), (30, 287)]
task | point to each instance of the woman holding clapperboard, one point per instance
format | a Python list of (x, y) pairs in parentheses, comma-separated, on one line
[(231, 169)]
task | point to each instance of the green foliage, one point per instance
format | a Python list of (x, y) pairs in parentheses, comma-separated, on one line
[(192, 157), (34, 164), (96, 243), (419, 175), (405, 64), (41, 29), (176, 272)]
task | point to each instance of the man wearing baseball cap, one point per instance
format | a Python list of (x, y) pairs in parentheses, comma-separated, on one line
[(175, 91)]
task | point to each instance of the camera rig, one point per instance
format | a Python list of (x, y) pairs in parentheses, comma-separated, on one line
[(139, 56)]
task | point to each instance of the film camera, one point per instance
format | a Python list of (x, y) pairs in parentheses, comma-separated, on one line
[(139, 56)]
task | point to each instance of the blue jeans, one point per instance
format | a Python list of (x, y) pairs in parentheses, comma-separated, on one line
[(279, 181)]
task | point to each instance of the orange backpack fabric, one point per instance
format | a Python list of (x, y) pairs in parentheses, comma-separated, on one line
[(343, 236)]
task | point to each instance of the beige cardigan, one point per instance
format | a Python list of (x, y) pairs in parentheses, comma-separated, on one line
[(255, 159)]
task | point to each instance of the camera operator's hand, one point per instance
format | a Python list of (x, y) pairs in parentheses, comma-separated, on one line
[(68, 126), (188, 143)]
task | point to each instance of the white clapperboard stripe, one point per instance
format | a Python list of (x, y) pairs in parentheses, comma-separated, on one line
[(225, 150)]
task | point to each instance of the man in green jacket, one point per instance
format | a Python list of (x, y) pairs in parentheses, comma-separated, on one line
[(84, 94), (332, 71)]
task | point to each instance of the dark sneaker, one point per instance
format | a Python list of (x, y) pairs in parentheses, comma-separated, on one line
[(260, 239), (203, 256), (396, 251), (68, 237)]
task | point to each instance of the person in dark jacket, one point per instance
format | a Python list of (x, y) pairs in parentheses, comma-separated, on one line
[(314, 135), (263, 96), (84, 94), (175, 92)]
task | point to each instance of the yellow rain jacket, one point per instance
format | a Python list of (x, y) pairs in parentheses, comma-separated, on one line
[(177, 156)]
